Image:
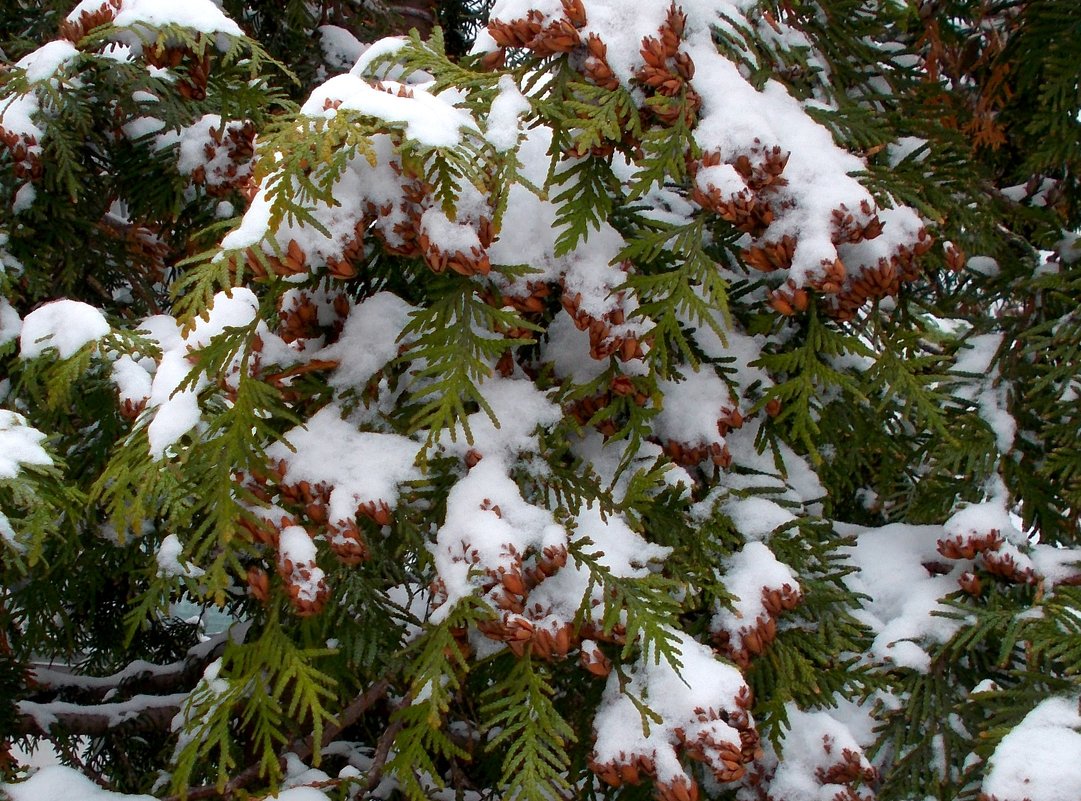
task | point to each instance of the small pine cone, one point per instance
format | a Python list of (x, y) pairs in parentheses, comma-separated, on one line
[(955, 258), (960, 547), (1005, 566)]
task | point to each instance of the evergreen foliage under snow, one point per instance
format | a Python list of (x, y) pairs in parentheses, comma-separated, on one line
[(672, 398)]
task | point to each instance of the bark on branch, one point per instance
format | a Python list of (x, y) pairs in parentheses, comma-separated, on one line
[(142, 697), (141, 713), (50, 681)]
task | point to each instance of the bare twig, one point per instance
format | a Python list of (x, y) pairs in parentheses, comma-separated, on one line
[(382, 752)]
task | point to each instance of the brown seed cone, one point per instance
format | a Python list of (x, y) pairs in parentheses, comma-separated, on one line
[(379, 512), (576, 12), (258, 584), (1004, 566), (678, 789), (960, 547), (971, 584), (595, 662)]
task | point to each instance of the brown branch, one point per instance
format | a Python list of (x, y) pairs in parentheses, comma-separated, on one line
[(143, 697), (141, 713), (350, 715), (147, 678), (419, 14), (382, 752)]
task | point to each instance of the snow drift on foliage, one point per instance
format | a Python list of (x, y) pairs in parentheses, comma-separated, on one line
[(66, 325), (1040, 758)]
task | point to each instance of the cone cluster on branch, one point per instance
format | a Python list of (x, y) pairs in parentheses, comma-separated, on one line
[(704, 738), (753, 639), (75, 30)]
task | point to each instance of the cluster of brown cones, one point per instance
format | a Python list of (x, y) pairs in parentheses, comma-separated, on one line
[(24, 154), (305, 505), (519, 623), (752, 640), (663, 77), (987, 548), (300, 318), (74, 30), (238, 140), (754, 208), (606, 335), (696, 740)]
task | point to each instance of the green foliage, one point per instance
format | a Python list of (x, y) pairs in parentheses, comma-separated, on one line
[(809, 372), (274, 686), (459, 339), (436, 665), (435, 656), (529, 731)]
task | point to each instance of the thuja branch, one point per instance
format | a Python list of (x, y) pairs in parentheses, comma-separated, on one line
[(301, 748)]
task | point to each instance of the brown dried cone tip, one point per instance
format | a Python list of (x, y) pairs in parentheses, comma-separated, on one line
[(473, 262), (1004, 566), (987, 546), (300, 319), (593, 659), (239, 142), (193, 85), (751, 210), (882, 280), (597, 69), (961, 547), (304, 584), (754, 209), (344, 267), (533, 302), (258, 584), (559, 35), (507, 588), (584, 410), (410, 241), (130, 408), (306, 505), (725, 760), (970, 583), (621, 386), (687, 455), (519, 624), (846, 771), (770, 256)]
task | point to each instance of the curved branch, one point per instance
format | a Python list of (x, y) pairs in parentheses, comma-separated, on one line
[(419, 14), (141, 713), (139, 677)]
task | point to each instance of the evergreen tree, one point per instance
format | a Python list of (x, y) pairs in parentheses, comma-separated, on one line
[(653, 398)]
